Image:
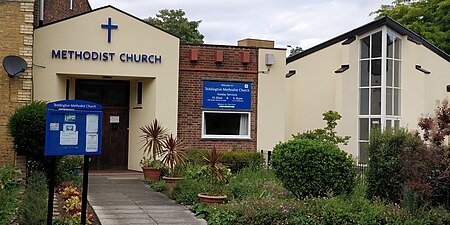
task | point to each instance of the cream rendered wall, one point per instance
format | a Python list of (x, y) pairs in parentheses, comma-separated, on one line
[(316, 88), (133, 36), (271, 110), (421, 92)]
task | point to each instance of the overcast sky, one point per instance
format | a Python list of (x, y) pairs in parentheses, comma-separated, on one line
[(302, 23)]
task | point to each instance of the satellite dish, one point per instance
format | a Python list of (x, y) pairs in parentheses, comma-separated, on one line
[(14, 65)]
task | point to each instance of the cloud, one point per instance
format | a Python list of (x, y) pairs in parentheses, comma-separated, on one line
[(302, 23)]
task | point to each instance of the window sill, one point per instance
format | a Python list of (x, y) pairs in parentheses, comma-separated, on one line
[(225, 139), (138, 107)]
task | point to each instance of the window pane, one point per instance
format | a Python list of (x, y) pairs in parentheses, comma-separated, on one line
[(398, 48), (364, 79), (396, 124), (397, 102), (388, 124), (364, 101), (365, 43), (388, 101), (375, 106), (390, 45), (363, 152), (376, 45), (375, 123), (389, 72), (397, 74), (364, 129), (139, 93), (376, 73), (222, 123)]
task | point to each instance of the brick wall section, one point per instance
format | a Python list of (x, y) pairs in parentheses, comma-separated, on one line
[(59, 9), (190, 92), (16, 35)]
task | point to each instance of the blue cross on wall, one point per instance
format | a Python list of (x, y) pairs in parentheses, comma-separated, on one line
[(109, 26)]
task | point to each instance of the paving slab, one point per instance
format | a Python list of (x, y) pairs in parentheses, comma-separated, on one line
[(126, 199)]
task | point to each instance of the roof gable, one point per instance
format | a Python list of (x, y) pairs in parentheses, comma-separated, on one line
[(392, 24), (102, 8)]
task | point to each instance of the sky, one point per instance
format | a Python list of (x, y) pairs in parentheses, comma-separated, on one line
[(303, 23)]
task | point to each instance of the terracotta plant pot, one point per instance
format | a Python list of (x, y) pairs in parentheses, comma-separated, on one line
[(171, 181), (212, 199), (151, 173)]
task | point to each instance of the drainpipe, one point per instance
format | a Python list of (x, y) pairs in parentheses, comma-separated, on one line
[(41, 12)]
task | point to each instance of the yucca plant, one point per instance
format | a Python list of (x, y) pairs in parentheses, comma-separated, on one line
[(173, 152), (217, 170), (152, 139)]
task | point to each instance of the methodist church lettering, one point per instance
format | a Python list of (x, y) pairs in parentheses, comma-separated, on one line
[(105, 56)]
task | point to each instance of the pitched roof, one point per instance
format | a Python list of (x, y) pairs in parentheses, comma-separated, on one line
[(350, 36), (101, 8)]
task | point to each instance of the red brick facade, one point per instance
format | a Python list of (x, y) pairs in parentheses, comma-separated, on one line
[(191, 77), (57, 9)]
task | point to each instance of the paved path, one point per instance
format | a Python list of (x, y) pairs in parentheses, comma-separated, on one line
[(125, 199)]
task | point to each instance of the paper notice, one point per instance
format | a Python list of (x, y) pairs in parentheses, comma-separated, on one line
[(92, 123), (91, 142), (68, 138)]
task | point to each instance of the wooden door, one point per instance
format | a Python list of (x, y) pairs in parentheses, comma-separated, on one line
[(114, 140), (114, 97)]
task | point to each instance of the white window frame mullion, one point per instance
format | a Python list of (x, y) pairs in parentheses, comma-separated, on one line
[(383, 76)]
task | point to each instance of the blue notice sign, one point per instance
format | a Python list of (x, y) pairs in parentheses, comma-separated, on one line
[(73, 127), (227, 95)]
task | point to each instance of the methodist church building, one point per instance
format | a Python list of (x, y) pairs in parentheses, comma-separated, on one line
[(207, 95), (378, 75)]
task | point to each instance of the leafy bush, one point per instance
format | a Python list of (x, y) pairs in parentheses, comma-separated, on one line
[(27, 128), (313, 167), (158, 186), (67, 168), (237, 160), (33, 209), (8, 193), (255, 183), (185, 191), (384, 176)]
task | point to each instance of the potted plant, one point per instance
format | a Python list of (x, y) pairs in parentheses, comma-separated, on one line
[(173, 155), (152, 140), (218, 177)]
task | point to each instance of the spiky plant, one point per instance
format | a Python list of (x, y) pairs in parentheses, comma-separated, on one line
[(152, 139), (216, 168), (173, 152)]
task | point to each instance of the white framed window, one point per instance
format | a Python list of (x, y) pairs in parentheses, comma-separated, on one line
[(379, 85), (139, 92), (225, 125)]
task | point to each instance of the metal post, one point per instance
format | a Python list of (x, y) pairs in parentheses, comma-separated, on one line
[(51, 190), (85, 189)]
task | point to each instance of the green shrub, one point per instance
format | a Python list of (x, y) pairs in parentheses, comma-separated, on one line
[(158, 186), (185, 191), (27, 128), (236, 160), (255, 183), (195, 156), (313, 167), (9, 187), (384, 175), (67, 168), (33, 208)]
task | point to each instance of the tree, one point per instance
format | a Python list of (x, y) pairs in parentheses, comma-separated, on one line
[(295, 50), (428, 18), (175, 22)]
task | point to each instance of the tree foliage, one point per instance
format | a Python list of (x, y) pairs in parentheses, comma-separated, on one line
[(295, 50), (175, 22), (428, 18)]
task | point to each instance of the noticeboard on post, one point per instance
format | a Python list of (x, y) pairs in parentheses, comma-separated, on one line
[(73, 127), (227, 95)]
